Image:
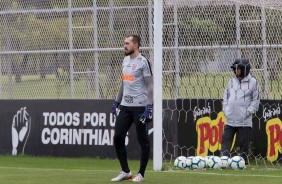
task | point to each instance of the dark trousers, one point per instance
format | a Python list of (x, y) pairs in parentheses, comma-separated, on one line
[(127, 116), (243, 139)]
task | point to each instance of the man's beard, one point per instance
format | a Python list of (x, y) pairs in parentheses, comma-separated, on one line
[(128, 53)]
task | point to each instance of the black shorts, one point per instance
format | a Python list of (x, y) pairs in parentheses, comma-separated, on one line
[(126, 117)]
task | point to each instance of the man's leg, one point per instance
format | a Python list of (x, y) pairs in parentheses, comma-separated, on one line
[(143, 139), (123, 123), (227, 139), (244, 136)]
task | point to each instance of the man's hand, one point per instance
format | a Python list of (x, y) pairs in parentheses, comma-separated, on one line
[(114, 108), (20, 130), (147, 116)]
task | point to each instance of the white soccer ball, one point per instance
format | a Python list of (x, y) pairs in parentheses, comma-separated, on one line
[(206, 158), (198, 163), (226, 161), (214, 162), (189, 162), (237, 163), (180, 162)]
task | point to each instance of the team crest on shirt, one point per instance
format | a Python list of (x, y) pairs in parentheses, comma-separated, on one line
[(139, 59), (245, 86), (133, 67)]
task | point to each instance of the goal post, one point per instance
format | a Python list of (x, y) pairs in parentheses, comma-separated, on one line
[(157, 136)]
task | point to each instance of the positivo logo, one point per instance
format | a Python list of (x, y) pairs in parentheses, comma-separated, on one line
[(20, 131)]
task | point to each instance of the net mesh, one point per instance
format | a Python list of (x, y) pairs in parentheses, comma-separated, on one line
[(53, 49), (66, 49), (198, 53)]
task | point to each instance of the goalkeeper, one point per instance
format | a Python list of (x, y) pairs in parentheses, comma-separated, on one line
[(135, 102)]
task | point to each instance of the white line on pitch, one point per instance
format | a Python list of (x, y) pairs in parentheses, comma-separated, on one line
[(223, 174), (170, 171)]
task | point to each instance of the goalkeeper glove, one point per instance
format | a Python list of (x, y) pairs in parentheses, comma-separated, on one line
[(114, 108), (147, 116)]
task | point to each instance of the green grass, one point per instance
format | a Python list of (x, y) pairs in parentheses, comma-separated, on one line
[(197, 85), (46, 170)]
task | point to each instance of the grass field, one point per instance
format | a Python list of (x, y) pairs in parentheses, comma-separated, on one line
[(198, 85), (54, 170)]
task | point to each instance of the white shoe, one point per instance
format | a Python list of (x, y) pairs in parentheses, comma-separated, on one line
[(123, 176), (138, 178)]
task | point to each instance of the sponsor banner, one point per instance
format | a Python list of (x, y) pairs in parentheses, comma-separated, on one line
[(70, 128), (75, 128), (201, 125)]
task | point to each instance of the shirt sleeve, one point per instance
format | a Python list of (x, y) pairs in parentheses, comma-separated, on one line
[(254, 106), (120, 93), (149, 82), (226, 96), (147, 70)]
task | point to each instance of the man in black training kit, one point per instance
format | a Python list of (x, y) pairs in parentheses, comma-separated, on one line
[(240, 102), (135, 101)]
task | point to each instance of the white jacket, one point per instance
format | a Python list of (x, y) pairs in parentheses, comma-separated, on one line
[(241, 100)]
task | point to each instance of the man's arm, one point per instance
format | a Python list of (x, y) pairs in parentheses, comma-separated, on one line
[(120, 93), (254, 106), (117, 100), (149, 82), (147, 116), (225, 97)]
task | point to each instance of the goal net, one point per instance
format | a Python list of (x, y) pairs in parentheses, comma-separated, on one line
[(201, 40)]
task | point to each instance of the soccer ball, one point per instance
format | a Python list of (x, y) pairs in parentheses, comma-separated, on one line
[(226, 161), (180, 162), (214, 162), (237, 163), (207, 160), (189, 162), (198, 162)]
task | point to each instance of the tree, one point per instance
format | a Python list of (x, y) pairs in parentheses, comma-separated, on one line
[(200, 32)]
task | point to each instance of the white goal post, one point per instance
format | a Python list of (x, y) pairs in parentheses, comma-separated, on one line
[(157, 136)]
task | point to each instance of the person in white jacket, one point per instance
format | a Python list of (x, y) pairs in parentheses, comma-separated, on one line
[(241, 100)]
